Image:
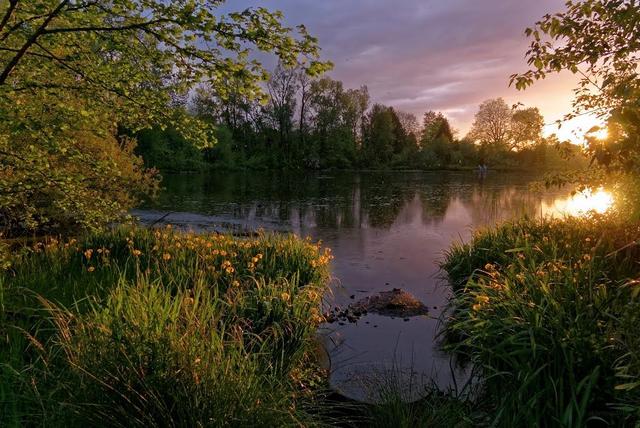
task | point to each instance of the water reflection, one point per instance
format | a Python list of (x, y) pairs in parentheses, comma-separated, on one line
[(386, 230), (599, 201)]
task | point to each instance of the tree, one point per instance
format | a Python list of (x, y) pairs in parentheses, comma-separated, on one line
[(436, 140), (492, 123), (282, 88), (379, 135), (526, 128), (598, 40), (70, 70), (409, 122)]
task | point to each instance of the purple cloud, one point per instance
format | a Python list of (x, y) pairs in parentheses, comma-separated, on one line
[(420, 55)]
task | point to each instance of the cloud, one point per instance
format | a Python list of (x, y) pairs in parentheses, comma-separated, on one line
[(420, 55)]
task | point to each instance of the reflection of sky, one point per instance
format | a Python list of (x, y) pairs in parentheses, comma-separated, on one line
[(385, 230)]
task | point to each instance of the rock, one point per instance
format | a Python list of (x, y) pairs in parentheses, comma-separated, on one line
[(394, 303)]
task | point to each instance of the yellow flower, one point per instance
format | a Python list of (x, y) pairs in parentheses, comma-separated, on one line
[(285, 297), (88, 253), (477, 307), (235, 284), (587, 257), (90, 269), (166, 256), (136, 253), (482, 299)]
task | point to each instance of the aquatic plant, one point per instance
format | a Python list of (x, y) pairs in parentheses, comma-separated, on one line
[(547, 313)]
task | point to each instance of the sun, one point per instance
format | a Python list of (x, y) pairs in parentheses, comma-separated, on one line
[(576, 129)]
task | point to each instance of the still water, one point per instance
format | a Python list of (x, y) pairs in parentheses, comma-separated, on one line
[(386, 230)]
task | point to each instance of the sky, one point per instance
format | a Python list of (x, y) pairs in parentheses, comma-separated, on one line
[(442, 55)]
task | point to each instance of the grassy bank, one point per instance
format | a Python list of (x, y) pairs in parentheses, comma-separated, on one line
[(158, 328), (548, 315)]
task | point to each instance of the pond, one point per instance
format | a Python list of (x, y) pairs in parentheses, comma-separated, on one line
[(386, 230)]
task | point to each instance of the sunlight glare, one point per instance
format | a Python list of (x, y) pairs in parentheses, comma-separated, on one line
[(599, 201)]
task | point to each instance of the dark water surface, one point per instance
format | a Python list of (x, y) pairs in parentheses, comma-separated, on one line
[(386, 230)]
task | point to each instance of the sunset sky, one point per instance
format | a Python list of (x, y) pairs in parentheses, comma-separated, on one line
[(419, 55)]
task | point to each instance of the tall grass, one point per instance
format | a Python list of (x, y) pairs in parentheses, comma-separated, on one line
[(548, 314), (140, 327)]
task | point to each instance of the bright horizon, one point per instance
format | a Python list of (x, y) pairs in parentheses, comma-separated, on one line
[(429, 55)]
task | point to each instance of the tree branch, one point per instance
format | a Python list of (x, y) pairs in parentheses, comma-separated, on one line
[(34, 37), (8, 13)]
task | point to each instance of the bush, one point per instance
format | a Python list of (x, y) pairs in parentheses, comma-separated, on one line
[(160, 328), (547, 314)]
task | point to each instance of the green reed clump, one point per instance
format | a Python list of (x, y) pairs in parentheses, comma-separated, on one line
[(548, 314), (435, 409), (143, 327)]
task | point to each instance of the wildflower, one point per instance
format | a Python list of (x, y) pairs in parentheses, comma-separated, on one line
[(482, 299), (136, 253), (197, 361), (166, 256), (586, 257), (235, 284), (90, 269), (285, 297), (476, 307), (88, 253)]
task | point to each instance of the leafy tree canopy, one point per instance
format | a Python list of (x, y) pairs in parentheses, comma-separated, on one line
[(72, 71), (598, 40), (132, 56)]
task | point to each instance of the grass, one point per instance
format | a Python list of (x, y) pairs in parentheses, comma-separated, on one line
[(140, 327), (548, 315)]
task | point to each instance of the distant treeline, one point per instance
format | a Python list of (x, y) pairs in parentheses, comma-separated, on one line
[(305, 123)]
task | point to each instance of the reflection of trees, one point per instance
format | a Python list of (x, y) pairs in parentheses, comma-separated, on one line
[(436, 199), (347, 200), (383, 196)]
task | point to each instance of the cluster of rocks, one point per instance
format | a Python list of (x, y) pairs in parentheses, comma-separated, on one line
[(393, 303)]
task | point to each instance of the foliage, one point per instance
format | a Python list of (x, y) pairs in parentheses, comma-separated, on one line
[(74, 71), (157, 328), (543, 312), (168, 150), (500, 129), (436, 409), (75, 179), (597, 40)]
